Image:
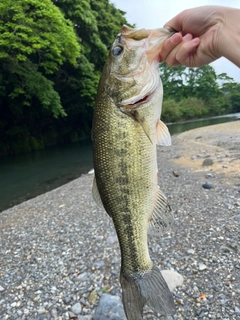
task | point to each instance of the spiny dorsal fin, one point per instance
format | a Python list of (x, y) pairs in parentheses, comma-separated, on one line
[(162, 216), (163, 135)]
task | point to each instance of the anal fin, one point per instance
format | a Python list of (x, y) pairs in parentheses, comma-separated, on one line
[(95, 194), (162, 217)]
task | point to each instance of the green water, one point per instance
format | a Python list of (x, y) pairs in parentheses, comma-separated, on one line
[(25, 176)]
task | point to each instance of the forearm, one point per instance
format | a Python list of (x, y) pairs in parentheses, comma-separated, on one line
[(229, 39)]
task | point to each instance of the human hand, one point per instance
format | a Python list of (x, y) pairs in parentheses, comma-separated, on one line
[(203, 36)]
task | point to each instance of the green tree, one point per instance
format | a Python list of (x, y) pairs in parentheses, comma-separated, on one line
[(173, 81), (232, 91), (202, 82), (35, 39), (51, 58), (96, 24), (196, 92)]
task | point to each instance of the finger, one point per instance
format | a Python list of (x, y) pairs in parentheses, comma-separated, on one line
[(176, 22), (169, 45), (171, 58), (185, 54)]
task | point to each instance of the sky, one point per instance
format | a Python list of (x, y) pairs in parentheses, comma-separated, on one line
[(151, 14)]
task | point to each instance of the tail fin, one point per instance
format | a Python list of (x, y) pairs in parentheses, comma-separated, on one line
[(150, 289)]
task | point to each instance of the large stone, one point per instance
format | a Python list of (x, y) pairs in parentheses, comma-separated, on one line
[(207, 185), (112, 238), (76, 308), (110, 308), (173, 279), (207, 162)]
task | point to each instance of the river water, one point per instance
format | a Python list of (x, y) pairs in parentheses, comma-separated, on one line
[(25, 176)]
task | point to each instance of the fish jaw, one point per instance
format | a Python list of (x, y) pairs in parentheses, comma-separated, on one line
[(156, 39), (152, 40)]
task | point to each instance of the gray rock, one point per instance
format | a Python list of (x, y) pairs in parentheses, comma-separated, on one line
[(54, 313), (173, 279), (110, 307), (1, 289), (225, 249), (237, 217), (98, 264), (237, 311), (76, 308), (202, 266), (82, 277), (207, 185), (71, 315), (112, 239), (66, 300), (230, 206), (209, 175), (207, 162)]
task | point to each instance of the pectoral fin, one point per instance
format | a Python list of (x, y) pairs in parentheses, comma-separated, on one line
[(162, 217), (163, 135), (135, 116), (145, 126)]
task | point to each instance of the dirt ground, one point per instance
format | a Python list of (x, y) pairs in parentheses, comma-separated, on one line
[(220, 143)]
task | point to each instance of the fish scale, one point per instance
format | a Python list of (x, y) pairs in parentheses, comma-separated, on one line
[(129, 158)]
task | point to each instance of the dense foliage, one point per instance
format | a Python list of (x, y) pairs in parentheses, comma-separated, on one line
[(197, 92), (51, 56)]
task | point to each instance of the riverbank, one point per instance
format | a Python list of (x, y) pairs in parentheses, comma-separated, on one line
[(58, 252), (220, 143)]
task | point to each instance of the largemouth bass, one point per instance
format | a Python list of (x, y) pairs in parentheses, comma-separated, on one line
[(126, 130)]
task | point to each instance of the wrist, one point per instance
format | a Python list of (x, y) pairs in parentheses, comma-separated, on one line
[(229, 37)]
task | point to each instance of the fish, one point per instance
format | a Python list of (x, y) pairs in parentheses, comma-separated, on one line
[(126, 130)]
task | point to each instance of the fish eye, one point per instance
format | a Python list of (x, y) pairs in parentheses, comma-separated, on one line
[(116, 51)]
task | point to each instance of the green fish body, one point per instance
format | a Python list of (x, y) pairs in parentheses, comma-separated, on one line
[(126, 130)]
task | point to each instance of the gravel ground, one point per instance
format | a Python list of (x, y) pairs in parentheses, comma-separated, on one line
[(59, 254)]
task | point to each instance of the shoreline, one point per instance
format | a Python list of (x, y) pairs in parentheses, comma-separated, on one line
[(220, 143), (59, 250)]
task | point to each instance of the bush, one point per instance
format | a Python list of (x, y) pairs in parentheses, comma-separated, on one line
[(192, 108), (170, 111)]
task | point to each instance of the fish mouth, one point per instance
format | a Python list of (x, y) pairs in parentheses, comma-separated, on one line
[(140, 100), (133, 103)]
